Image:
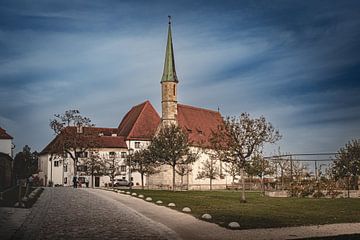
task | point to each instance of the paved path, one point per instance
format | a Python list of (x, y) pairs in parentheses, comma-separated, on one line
[(67, 213)]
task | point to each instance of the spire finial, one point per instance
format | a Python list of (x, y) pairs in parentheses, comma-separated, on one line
[(169, 19)]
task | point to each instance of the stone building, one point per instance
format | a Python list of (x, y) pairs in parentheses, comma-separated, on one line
[(140, 124)]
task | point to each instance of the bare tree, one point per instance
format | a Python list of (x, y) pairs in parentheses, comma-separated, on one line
[(209, 170), (111, 168), (95, 165), (183, 170), (241, 136), (259, 166), (284, 165), (71, 136), (171, 147), (233, 170)]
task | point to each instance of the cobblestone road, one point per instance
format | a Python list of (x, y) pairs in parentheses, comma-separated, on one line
[(66, 213)]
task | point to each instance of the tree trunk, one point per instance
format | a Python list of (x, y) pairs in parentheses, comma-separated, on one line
[(262, 185), (182, 181), (282, 180), (75, 166), (243, 199), (142, 181), (210, 184), (173, 178), (348, 187)]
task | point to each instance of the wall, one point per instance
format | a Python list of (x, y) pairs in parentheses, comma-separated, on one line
[(5, 146)]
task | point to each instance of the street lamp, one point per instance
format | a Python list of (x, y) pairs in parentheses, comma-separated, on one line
[(131, 151)]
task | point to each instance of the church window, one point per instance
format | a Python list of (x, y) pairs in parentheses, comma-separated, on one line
[(112, 154), (174, 90), (56, 163), (123, 154), (137, 144), (123, 168)]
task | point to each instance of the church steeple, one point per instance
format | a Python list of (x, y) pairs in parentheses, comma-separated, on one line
[(169, 84), (169, 73)]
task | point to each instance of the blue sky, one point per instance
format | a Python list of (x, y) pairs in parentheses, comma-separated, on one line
[(295, 62)]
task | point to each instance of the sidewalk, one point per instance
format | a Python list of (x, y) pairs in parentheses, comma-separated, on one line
[(188, 227), (11, 219)]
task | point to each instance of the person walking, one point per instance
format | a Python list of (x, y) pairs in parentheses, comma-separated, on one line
[(75, 182), (87, 182)]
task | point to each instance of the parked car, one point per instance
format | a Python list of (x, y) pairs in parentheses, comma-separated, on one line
[(122, 183)]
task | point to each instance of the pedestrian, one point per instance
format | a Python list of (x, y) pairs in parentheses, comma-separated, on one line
[(87, 182), (75, 182)]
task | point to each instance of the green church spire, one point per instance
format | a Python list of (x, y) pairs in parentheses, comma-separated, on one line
[(169, 74)]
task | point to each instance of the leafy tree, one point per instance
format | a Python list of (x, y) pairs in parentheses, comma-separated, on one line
[(171, 147), (25, 163), (71, 137), (209, 170), (142, 162), (347, 164), (241, 136), (95, 165)]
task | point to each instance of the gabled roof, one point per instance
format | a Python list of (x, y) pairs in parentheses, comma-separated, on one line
[(198, 123), (140, 122), (4, 135), (101, 137)]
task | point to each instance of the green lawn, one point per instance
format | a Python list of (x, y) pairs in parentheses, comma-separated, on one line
[(259, 211)]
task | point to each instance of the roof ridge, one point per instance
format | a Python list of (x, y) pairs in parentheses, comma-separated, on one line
[(198, 108)]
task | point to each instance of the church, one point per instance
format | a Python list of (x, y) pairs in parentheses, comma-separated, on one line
[(135, 132)]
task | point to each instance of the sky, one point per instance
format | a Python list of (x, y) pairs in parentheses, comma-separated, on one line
[(295, 62)]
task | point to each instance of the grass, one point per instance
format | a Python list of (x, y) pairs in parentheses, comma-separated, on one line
[(259, 211)]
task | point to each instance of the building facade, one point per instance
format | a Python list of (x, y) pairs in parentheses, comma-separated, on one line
[(6, 161)]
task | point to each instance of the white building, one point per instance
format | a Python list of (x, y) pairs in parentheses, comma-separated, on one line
[(6, 144)]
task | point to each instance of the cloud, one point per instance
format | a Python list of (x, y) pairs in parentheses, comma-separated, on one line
[(296, 64)]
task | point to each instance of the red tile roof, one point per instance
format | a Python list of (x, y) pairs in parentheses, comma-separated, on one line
[(104, 138), (140, 122), (4, 135), (198, 123)]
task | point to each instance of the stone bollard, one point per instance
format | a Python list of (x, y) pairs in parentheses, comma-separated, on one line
[(206, 216), (133, 194), (159, 202), (186, 209), (171, 205), (141, 196), (234, 225), (149, 199)]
